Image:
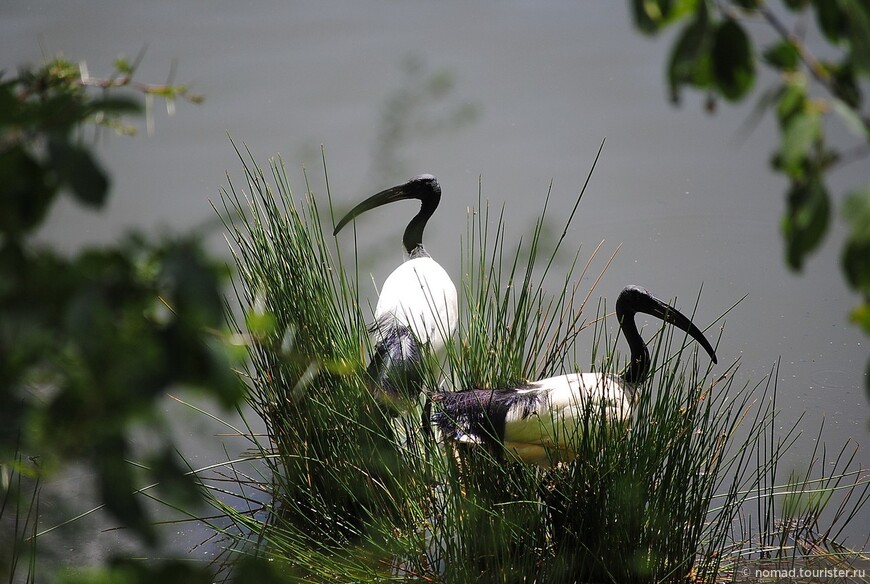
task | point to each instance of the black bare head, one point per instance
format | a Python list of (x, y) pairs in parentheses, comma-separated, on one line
[(634, 299), (424, 187)]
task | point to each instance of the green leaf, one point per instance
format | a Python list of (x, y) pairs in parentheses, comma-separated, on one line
[(748, 4), (801, 133), (850, 118), (783, 55), (856, 253), (117, 487), (115, 105), (175, 484), (845, 80), (123, 66), (732, 60), (650, 15), (26, 192), (858, 18), (689, 63), (831, 19), (136, 571), (796, 5), (792, 101), (805, 221), (860, 315), (76, 168)]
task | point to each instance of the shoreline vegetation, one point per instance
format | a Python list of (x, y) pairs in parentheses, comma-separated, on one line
[(690, 491)]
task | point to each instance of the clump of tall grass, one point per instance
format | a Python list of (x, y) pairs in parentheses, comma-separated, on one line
[(656, 500)]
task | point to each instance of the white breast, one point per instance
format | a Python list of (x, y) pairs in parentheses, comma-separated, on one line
[(567, 403), (420, 295)]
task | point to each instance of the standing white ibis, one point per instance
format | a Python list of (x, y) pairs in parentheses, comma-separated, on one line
[(540, 419), (417, 305)]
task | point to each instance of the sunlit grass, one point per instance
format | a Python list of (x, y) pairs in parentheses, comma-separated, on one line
[(670, 497)]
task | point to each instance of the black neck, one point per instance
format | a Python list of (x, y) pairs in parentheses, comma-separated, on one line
[(638, 368), (413, 237)]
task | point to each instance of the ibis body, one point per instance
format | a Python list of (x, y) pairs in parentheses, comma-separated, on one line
[(417, 307), (540, 420)]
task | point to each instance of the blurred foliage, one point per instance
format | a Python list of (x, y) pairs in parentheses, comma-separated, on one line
[(715, 54), (91, 339), (423, 106)]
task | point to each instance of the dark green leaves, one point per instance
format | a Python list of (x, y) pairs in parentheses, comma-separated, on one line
[(91, 339), (831, 19), (75, 168), (802, 132), (690, 59), (732, 60), (856, 256), (857, 16), (25, 192), (783, 56), (805, 221), (650, 16), (713, 56), (713, 53), (41, 152), (856, 253)]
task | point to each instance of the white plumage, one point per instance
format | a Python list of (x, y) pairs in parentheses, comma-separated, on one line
[(543, 420), (421, 296), (417, 307)]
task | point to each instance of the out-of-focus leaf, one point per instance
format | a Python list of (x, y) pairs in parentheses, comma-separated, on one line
[(122, 65), (25, 192), (845, 83), (115, 105), (75, 167), (261, 570), (174, 482), (831, 19), (689, 63), (860, 315), (190, 284), (783, 55), (650, 15), (858, 18), (801, 133), (850, 118), (732, 60), (805, 221), (117, 487), (856, 254), (796, 4), (130, 571), (748, 4), (792, 101), (261, 323)]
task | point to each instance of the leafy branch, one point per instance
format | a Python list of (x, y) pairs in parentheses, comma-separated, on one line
[(713, 53), (91, 339)]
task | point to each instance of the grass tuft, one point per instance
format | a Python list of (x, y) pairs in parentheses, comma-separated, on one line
[(685, 491)]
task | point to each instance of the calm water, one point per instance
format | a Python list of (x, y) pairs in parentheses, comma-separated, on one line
[(688, 196)]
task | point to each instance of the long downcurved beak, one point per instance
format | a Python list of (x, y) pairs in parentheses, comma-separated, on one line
[(421, 187), (384, 197), (645, 302)]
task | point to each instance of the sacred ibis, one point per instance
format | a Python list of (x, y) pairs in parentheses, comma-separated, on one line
[(539, 420), (417, 304)]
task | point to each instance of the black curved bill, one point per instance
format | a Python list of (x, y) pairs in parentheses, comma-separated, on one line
[(645, 302), (420, 187)]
